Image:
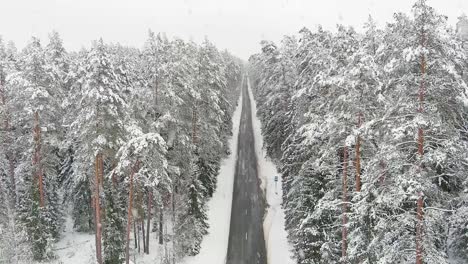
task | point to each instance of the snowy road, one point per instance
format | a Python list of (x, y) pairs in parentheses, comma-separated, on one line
[(246, 238)]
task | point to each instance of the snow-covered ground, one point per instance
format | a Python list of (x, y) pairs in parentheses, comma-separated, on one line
[(279, 251), (79, 248), (75, 247), (214, 245)]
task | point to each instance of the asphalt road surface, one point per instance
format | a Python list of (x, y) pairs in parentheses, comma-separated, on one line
[(246, 240)]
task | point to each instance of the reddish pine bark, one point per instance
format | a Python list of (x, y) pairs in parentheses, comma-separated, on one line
[(358, 156), (344, 234), (97, 207), (37, 158)]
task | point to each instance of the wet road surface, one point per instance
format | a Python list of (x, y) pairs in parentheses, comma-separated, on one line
[(246, 240)]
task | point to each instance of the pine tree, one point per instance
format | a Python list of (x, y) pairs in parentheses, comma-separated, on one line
[(35, 109), (7, 157), (358, 92), (98, 127)]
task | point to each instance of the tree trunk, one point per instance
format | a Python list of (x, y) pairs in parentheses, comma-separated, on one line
[(156, 84), (90, 213), (344, 242), (96, 242), (419, 249), (97, 208), (7, 141), (420, 216), (114, 179), (37, 159), (142, 222), (129, 216), (358, 156), (383, 172), (138, 234), (135, 230), (173, 224), (12, 176), (148, 224), (161, 221), (194, 125), (101, 188)]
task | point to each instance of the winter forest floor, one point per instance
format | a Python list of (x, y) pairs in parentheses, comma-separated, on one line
[(79, 248)]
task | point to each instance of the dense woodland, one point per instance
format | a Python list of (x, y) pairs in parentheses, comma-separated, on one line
[(369, 131), (117, 139)]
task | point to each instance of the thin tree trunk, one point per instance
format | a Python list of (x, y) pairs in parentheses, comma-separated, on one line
[(166, 255), (161, 221), (129, 216), (37, 159), (173, 224), (358, 156), (6, 124), (90, 212), (419, 227), (344, 243), (135, 230), (101, 187), (383, 172), (101, 171), (93, 205), (156, 84), (12, 176), (420, 216), (97, 209), (148, 224), (114, 179), (138, 234), (194, 125), (143, 234)]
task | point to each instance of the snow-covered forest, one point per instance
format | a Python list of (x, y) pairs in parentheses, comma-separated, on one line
[(110, 138), (331, 146), (369, 131)]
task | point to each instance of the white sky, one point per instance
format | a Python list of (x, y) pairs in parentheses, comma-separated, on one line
[(236, 25)]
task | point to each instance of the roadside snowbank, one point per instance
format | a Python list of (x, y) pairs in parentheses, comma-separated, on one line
[(279, 251), (214, 245)]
